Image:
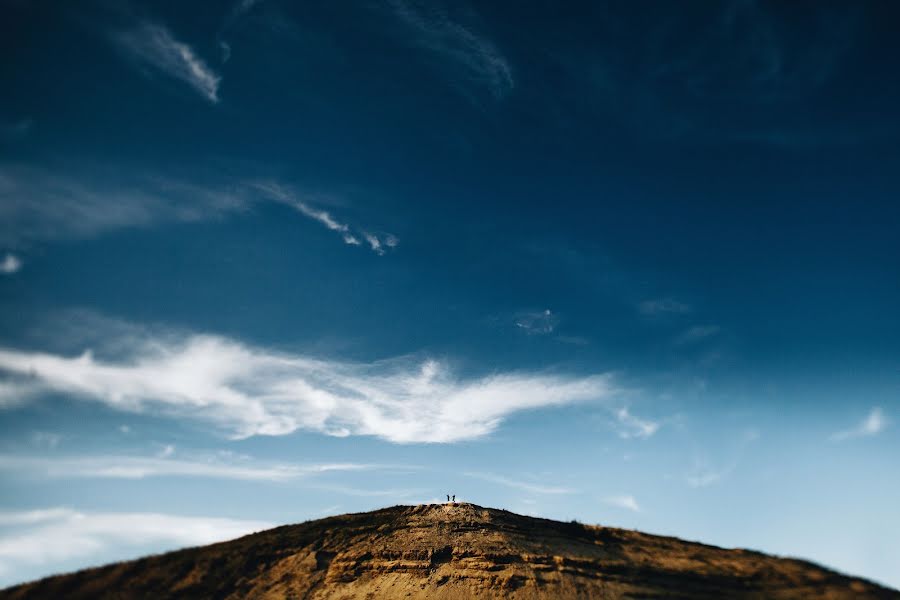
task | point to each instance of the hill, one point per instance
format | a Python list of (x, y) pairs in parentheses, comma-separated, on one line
[(453, 551)]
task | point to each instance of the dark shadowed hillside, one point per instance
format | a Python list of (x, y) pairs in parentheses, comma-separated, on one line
[(453, 551)]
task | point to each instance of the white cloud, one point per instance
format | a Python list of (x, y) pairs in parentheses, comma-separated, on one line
[(374, 243), (167, 451), (624, 501), (248, 391), (10, 264), (477, 57), (142, 467), (38, 204), (153, 45), (282, 194), (50, 536), (17, 393), (527, 486), (874, 423), (631, 426), (42, 204), (537, 322)]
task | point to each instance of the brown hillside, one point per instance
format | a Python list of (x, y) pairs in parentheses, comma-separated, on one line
[(453, 551)]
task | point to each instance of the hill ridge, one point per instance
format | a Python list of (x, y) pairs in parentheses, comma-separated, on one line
[(454, 550)]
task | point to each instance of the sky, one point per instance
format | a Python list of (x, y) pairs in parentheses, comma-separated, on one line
[(629, 263)]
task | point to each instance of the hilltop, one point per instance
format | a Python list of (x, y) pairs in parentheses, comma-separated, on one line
[(453, 551)]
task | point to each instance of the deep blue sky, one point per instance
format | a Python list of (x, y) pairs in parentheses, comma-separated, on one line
[(264, 261)]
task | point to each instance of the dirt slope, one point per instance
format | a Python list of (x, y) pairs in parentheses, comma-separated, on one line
[(453, 552)]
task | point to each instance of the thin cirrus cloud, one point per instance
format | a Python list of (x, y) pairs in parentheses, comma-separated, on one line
[(630, 426), (475, 56), (626, 502), (245, 391), (34, 538), (537, 322), (704, 476), (284, 195), (41, 204), (706, 472), (697, 334), (874, 423), (527, 486), (152, 45), (144, 467)]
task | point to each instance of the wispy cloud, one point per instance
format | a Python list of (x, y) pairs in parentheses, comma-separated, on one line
[(245, 390), (704, 475), (630, 426), (706, 472), (696, 334), (874, 423), (151, 44), (528, 486), (349, 490), (743, 57), (284, 195), (238, 10), (144, 467), (537, 322), (476, 56), (10, 264), (663, 306), (625, 501), (38, 204), (53, 535), (242, 7)]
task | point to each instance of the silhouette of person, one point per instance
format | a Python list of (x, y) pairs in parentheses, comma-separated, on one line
[(454, 497), (448, 497)]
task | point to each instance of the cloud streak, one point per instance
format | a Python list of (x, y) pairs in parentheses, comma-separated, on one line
[(537, 322), (279, 193), (141, 467), (38, 204), (626, 502), (874, 423), (151, 44), (476, 56), (631, 426), (527, 486), (245, 391), (41, 204), (53, 535)]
